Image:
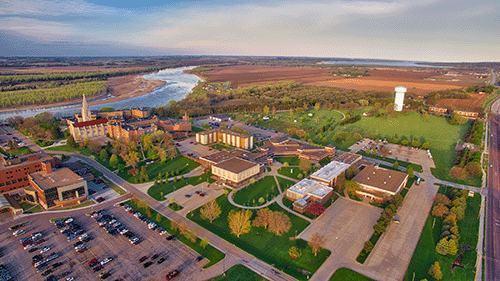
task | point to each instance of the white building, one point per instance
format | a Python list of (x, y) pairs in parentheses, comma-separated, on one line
[(329, 173)]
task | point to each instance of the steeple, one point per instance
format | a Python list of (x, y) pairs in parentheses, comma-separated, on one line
[(85, 110)]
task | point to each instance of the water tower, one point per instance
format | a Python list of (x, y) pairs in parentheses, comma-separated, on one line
[(399, 99)]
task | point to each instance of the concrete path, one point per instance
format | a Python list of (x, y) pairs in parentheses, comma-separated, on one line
[(230, 199), (279, 200)]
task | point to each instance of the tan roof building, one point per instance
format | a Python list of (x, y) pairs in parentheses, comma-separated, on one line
[(236, 139), (377, 182), (235, 170), (57, 188), (349, 158)]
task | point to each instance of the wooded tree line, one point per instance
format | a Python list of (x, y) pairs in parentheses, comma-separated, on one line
[(45, 96), (46, 85), (27, 78)]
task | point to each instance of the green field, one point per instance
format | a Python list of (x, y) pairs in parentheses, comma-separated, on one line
[(441, 136), (159, 191), (346, 274), (209, 252), (425, 254), (265, 245), (239, 273), (265, 188), (291, 172), (284, 183), (179, 165), (292, 161)]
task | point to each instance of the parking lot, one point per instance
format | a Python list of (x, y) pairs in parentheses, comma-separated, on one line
[(125, 264), (189, 196), (394, 151), (191, 148)]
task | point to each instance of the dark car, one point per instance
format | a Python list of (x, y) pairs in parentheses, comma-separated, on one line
[(45, 273), (57, 264), (171, 238), (200, 258), (161, 260), (146, 265), (155, 256), (97, 268), (33, 249), (143, 259), (100, 199)]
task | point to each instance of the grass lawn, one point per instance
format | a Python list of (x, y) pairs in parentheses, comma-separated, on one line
[(265, 245), (84, 151), (18, 151), (159, 191), (239, 273), (36, 209), (26, 205), (196, 129), (425, 254), (221, 146), (292, 161), (291, 172), (175, 206), (85, 204), (346, 274), (284, 183), (265, 188), (181, 164), (209, 252)]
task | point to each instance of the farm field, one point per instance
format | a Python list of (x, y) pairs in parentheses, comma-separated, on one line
[(475, 103), (382, 79)]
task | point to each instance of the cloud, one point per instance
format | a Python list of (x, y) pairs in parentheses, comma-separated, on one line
[(53, 8), (38, 29)]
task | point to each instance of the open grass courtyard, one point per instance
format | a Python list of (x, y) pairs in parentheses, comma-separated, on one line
[(265, 245), (251, 195)]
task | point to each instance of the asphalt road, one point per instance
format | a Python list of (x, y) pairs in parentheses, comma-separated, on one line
[(492, 235)]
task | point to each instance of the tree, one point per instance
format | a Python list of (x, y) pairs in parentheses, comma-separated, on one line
[(425, 115), (435, 271), (279, 223), (300, 133), (210, 211), (457, 172), (239, 221), (315, 209), (415, 143), (294, 252), (396, 165), (104, 154), (443, 247), (206, 126), (459, 211), (404, 142), (426, 145), (442, 199), (263, 218), (395, 140), (351, 187), (70, 142), (317, 242), (410, 171), (286, 164), (440, 210), (300, 176), (143, 204), (113, 161), (317, 106), (368, 246), (204, 242), (474, 169), (452, 247), (131, 159), (158, 217), (305, 165), (143, 175), (266, 109)]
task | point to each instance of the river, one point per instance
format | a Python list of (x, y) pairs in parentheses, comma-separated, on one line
[(178, 86)]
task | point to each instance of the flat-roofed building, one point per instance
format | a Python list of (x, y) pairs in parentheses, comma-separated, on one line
[(308, 191), (58, 188), (236, 139), (281, 145), (349, 158), (219, 118), (235, 170), (329, 173), (14, 170), (220, 156), (379, 183)]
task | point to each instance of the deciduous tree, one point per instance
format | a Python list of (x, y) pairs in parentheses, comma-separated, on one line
[(442, 199), (440, 210), (239, 222), (204, 242), (263, 218), (305, 165), (210, 211), (315, 209), (435, 271), (317, 242), (294, 252), (279, 223), (131, 159)]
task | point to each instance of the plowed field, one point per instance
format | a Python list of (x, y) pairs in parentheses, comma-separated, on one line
[(475, 103), (382, 79)]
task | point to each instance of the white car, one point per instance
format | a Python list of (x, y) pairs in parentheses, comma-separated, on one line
[(71, 278), (106, 260), (18, 232), (44, 249), (68, 220)]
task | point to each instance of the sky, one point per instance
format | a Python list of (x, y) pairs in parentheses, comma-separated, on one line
[(415, 30)]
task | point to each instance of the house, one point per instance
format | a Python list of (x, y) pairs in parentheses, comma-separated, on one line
[(379, 183), (235, 170), (307, 192), (59, 188), (329, 173)]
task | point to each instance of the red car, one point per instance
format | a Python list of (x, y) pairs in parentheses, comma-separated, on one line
[(92, 261), (172, 274), (143, 259)]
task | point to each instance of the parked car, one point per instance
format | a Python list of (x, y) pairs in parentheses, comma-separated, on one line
[(171, 238), (44, 249), (146, 265), (172, 274), (106, 260), (143, 259), (161, 260), (97, 268)]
